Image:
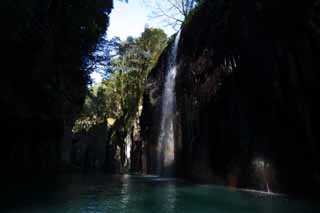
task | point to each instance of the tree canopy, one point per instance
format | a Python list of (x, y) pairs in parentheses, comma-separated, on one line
[(53, 42), (116, 100)]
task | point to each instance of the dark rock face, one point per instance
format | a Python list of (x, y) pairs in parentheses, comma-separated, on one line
[(88, 150), (136, 152), (151, 116), (247, 90), (43, 83)]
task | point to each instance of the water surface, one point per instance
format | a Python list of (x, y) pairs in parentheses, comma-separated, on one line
[(103, 194)]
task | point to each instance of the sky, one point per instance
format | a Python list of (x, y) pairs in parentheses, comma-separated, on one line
[(130, 19)]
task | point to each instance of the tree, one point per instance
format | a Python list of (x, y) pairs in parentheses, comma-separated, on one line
[(119, 95), (171, 12), (46, 45)]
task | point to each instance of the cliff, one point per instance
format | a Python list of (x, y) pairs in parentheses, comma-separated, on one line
[(246, 91), (45, 46), (151, 115)]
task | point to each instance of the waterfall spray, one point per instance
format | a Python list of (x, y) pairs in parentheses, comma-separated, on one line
[(166, 152)]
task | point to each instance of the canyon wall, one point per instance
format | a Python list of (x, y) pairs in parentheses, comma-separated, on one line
[(45, 46), (246, 91)]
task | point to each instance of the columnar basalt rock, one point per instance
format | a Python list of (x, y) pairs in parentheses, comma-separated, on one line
[(247, 91)]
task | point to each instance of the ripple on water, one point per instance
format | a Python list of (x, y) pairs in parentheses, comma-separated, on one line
[(151, 194)]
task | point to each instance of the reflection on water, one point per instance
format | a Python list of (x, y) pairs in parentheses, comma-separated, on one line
[(101, 194), (171, 195)]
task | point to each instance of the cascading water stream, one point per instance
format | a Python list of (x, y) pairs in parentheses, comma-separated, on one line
[(166, 150), (262, 169), (266, 181)]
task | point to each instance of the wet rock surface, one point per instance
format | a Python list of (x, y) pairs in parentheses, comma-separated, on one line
[(246, 91)]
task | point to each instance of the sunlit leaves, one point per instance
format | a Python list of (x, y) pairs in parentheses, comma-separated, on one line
[(120, 93)]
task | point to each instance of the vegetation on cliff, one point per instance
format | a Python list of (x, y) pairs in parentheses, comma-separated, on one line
[(48, 48), (117, 99)]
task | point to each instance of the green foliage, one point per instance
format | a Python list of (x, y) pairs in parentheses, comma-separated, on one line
[(120, 94), (87, 22), (53, 42), (75, 27), (194, 11)]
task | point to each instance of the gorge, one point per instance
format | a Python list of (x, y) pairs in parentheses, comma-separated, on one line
[(166, 149), (246, 90), (219, 117)]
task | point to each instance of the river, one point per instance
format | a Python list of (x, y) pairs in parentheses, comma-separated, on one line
[(98, 193)]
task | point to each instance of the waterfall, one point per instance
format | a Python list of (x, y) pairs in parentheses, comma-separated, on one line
[(261, 168), (266, 181), (166, 152)]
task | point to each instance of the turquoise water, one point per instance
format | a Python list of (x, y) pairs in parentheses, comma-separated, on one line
[(104, 194)]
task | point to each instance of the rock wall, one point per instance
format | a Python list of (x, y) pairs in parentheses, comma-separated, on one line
[(88, 150), (247, 90), (150, 117), (44, 78)]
